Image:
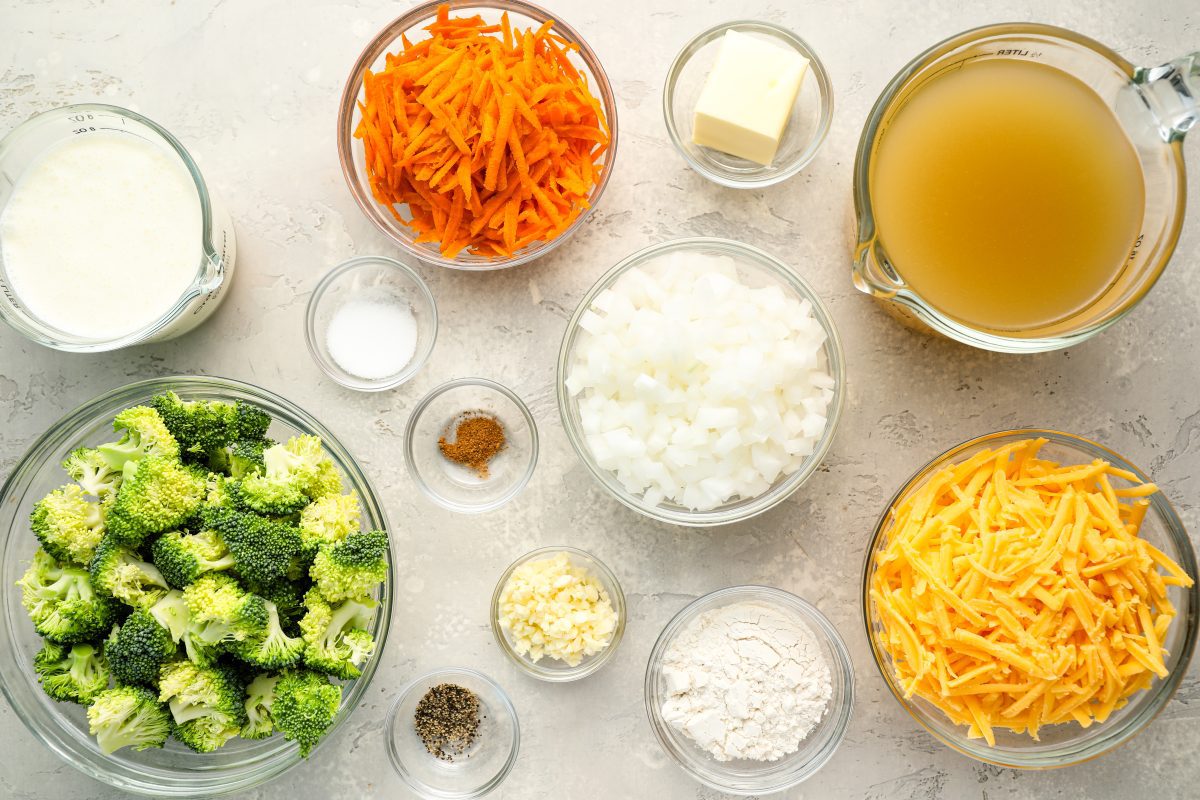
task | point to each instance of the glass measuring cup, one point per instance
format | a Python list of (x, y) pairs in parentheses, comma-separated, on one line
[(1155, 107), (26, 143)]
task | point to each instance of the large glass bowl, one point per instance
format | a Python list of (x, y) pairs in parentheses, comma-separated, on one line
[(755, 268), (173, 771), (350, 149), (1065, 743)]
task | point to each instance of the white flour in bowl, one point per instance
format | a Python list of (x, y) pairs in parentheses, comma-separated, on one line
[(746, 681)]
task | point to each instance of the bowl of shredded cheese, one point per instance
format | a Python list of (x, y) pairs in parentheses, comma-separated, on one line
[(558, 613), (1030, 599)]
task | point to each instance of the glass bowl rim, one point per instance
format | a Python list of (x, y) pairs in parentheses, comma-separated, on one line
[(592, 663), (382, 42), (410, 458), (824, 86), (310, 323), (839, 711), (183, 783), (1161, 691), (835, 356), (420, 787)]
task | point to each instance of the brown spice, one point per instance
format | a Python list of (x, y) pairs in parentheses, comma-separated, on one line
[(477, 440)]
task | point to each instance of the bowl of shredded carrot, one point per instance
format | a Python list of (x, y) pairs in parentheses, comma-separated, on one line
[(477, 135), (1030, 599)]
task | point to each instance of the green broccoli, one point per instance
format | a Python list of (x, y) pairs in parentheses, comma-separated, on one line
[(260, 694), (353, 567), (336, 639), (172, 613), (207, 703), (263, 549), (62, 602), (204, 426), (119, 572), (270, 648), (68, 525), (303, 460), (305, 707), (246, 457), (288, 597), (71, 673), (272, 496), (128, 716), (138, 648), (182, 558), (143, 434), (88, 467), (221, 612), (328, 521), (161, 495)]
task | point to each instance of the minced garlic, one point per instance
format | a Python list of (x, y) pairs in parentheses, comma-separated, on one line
[(551, 607)]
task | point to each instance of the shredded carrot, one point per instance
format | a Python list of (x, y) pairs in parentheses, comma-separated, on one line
[(483, 138)]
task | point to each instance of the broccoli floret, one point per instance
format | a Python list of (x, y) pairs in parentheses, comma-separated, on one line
[(203, 427), (71, 673), (62, 602), (138, 648), (128, 716), (328, 521), (263, 549), (336, 639), (68, 525), (271, 648), (142, 434), (260, 694), (305, 707), (182, 558), (172, 613), (207, 703), (288, 597), (278, 496), (222, 612), (246, 457), (303, 460), (353, 567), (118, 572), (161, 495), (88, 467)]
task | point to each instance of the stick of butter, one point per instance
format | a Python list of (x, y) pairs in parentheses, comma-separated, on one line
[(748, 97)]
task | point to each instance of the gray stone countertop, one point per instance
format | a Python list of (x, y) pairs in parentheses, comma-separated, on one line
[(252, 88)]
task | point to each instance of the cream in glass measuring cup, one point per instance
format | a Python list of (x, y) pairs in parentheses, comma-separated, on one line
[(108, 236), (1020, 187)]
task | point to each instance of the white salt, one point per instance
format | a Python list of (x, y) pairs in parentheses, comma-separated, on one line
[(372, 339)]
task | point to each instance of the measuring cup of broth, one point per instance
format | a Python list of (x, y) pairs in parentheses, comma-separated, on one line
[(1020, 187), (109, 236)]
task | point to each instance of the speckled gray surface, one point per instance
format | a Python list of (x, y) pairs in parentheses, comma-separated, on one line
[(251, 86)]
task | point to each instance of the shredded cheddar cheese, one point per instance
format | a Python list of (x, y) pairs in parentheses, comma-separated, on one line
[(1013, 592)]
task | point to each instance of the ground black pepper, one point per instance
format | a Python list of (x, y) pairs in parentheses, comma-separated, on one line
[(447, 720)]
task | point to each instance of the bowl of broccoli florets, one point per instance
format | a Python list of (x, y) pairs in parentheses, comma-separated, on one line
[(196, 586)]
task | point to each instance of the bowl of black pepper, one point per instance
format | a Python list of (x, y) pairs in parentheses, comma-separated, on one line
[(453, 733)]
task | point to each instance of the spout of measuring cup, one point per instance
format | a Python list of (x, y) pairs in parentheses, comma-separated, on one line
[(872, 274), (1172, 91), (214, 275)]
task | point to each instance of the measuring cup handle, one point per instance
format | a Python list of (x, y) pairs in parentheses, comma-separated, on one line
[(1172, 91)]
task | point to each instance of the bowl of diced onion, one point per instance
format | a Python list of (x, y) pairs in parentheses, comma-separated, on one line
[(701, 381)]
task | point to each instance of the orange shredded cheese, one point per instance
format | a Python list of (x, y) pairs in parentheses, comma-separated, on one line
[(482, 138), (1012, 592)]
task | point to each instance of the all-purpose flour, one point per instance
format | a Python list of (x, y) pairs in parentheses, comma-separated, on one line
[(746, 681)]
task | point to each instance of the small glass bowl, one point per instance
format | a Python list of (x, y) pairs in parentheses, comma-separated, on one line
[(458, 487), (370, 278), (806, 128), (551, 669), (755, 268), (1061, 744), (483, 767), (412, 23), (746, 777)]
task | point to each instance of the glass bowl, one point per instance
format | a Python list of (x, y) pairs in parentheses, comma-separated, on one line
[(486, 763), (806, 129), (370, 278), (173, 771), (1062, 744), (552, 669), (747, 777), (388, 40), (755, 268), (455, 486)]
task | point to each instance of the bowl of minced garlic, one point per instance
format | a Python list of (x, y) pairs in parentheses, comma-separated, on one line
[(1029, 598)]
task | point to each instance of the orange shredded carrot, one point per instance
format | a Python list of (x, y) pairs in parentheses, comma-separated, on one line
[(482, 138)]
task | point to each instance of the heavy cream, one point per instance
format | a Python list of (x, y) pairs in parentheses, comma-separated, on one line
[(102, 235)]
